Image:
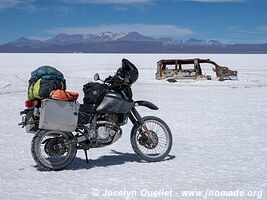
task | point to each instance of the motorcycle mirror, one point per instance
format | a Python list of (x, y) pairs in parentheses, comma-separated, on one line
[(96, 77)]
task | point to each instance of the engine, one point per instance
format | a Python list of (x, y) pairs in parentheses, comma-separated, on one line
[(105, 133), (108, 129)]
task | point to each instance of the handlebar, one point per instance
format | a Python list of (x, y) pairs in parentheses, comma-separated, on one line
[(115, 80)]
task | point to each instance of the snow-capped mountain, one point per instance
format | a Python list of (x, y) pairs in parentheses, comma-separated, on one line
[(132, 42), (25, 42), (110, 36), (64, 39), (135, 36)]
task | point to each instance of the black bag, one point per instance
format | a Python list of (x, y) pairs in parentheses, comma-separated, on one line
[(93, 93), (85, 113), (46, 86)]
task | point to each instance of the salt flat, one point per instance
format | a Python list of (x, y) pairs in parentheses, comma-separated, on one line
[(219, 131)]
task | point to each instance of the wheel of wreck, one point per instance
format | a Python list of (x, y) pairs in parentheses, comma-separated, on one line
[(49, 151), (158, 145)]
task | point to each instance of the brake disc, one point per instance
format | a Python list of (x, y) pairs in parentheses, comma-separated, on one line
[(147, 142), (53, 147)]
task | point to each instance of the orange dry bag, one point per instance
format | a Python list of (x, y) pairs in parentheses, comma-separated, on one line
[(64, 95)]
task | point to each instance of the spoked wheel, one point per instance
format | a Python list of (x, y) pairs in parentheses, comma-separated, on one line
[(49, 151), (153, 141)]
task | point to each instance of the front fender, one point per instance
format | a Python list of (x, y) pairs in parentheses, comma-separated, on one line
[(146, 104)]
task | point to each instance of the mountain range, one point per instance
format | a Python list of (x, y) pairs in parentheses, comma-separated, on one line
[(132, 42)]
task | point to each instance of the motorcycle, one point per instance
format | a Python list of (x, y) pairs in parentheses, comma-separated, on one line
[(151, 138)]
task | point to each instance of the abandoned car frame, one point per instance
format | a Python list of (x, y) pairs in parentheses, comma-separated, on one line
[(173, 68)]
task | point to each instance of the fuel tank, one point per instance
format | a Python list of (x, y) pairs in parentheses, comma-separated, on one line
[(114, 103)]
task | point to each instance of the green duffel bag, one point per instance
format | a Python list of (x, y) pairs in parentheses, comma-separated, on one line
[(46, 72), (42, 87)]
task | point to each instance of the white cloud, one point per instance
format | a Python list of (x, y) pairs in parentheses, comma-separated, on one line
[(120, 8), (143, 1), (17, 3), (259, 30), (8, 3), (107, 1), (159, 30), (239, 34), (42, 38), (263, 29), (219, 1), (13, 3)]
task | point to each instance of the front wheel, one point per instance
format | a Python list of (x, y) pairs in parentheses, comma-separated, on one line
[(156, 144), (49, 149)]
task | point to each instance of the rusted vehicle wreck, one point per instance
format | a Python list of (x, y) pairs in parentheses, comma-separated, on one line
[(178, 69)]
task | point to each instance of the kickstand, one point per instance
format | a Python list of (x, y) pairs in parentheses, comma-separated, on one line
[(86, 156)]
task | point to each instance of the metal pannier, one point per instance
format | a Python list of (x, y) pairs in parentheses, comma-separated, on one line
[(58, 115)]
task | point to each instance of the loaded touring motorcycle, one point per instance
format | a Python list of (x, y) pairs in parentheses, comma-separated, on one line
[(62, 127)]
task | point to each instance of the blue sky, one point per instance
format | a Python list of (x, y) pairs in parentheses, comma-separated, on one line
[(231, 21)]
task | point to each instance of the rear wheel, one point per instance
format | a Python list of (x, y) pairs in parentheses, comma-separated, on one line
[(155, 147), (49, 151)]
